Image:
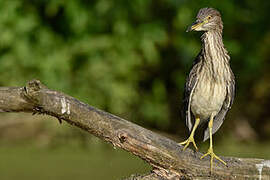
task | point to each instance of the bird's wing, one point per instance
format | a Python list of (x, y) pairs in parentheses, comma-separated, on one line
[(190, 85), (227, 104)]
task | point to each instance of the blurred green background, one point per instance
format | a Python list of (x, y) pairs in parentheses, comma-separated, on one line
[(130, 58)]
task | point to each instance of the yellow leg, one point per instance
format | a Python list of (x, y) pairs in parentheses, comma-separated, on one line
[(210, 150), (191, 137)]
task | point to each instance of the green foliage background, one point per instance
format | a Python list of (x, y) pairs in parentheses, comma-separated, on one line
[(131, 57)]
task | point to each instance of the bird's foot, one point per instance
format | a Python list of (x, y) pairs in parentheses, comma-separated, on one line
[(212, 154), (189, 140)]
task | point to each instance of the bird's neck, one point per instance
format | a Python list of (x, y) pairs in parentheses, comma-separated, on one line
[(213, 46), (215, 55)]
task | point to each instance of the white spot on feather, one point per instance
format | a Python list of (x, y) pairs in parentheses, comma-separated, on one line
[(260, 167)]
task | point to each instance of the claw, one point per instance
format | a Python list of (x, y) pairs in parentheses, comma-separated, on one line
[(212, 154), (189, 140)]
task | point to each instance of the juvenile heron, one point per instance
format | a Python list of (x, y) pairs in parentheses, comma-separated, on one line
[(209, 89)]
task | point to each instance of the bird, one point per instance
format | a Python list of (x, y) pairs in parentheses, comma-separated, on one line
[(210, 86)]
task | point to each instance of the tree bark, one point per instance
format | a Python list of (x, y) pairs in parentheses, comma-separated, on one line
[(167, 158)]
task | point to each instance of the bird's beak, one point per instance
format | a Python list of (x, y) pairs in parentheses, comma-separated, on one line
[(194, 26)]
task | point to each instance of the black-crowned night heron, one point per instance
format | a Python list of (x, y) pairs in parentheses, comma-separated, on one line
[(209, 89)]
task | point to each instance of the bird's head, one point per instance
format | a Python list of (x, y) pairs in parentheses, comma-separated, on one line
[(208, 19)]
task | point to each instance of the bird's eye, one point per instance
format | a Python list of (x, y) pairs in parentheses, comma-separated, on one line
[(208, 17)]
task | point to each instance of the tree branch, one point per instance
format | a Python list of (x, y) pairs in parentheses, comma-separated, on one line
[(164, 155)]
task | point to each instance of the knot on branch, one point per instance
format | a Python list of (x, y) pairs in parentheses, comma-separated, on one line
[(35, 85), (122, 136), (31, 90)]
